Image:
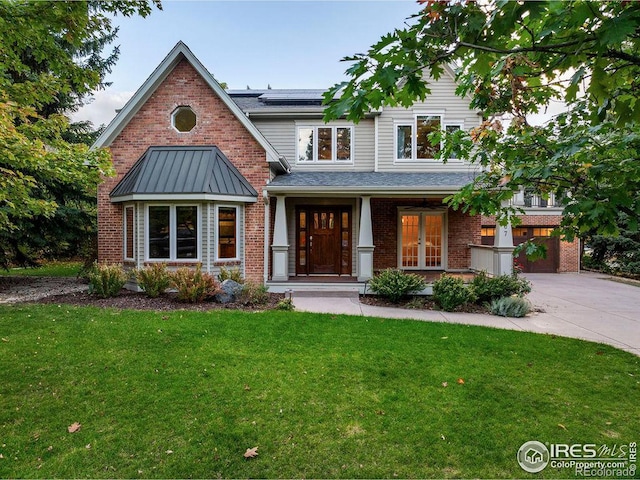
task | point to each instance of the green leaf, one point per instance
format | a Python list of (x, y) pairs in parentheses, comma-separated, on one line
[(615, 30)]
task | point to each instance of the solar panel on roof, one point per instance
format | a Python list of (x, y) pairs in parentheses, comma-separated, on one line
[(293, 95)]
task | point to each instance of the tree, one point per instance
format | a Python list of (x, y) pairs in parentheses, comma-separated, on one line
[(50, 61), (513, 58), (619, 254)]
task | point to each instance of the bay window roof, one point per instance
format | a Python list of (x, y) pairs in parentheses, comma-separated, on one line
[(183, 173)]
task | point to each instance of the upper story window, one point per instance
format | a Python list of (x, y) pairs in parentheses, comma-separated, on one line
[(183, 119), (324, 144), (413, 140)]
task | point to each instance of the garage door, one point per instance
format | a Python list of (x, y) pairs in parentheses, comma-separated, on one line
[(550, 264)]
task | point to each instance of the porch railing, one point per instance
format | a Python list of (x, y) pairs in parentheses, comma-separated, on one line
[(530, 200), (491, 259)]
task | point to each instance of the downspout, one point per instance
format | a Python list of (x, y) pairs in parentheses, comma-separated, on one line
[(267, 221), (375, 144), (209, 262)]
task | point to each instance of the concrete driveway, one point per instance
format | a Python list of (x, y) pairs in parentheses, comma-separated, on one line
[(587, 306)]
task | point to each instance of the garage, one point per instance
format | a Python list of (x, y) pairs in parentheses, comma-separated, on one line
[(550, 264)]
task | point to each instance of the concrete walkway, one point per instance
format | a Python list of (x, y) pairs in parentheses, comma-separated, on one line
[(588, 306)]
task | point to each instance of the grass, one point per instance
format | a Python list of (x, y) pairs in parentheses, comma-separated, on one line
[(184, 394), (48, 269)]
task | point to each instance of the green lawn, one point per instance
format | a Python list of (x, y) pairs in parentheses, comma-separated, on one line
[(48, 269), (184, 394)]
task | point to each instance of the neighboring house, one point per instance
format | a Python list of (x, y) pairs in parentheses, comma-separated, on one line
[(256, 179)]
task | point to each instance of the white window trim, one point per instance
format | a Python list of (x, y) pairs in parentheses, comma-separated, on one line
[(444, 238), (444, 123), (396, 125), (173, 118), (173, 228), (216, 235), (126, 233), (334, 145), (460, 125)]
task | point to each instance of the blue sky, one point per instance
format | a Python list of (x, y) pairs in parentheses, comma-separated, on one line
[(286, 44)]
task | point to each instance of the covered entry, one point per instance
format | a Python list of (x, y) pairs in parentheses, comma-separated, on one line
[(323, 240)]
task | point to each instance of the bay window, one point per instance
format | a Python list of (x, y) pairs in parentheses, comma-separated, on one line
[(227, 229), (172, 232), (129, 232)]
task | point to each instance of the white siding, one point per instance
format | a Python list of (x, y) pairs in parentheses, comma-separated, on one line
[(281, 133), (208, 236), (443, 101), (139, 254)]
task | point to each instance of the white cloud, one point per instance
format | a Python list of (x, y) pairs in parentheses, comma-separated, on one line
[(102, 108)]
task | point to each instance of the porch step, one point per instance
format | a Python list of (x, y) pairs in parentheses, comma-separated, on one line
[(354, 293), (319, 289), (325, 290)]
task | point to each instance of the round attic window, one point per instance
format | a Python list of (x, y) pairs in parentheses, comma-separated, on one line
[(183, 119)]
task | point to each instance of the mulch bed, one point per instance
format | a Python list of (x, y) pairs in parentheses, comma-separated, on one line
[(418, 303), (128, 300)]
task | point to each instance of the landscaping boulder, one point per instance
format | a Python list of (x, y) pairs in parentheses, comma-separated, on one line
[(230, 291)]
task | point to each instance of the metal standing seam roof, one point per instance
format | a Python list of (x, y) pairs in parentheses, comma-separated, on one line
[(183, 170)]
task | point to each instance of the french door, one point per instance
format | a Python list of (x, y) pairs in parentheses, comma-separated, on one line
[(422, 240)]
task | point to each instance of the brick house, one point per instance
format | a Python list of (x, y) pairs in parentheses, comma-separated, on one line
[(255, 179)]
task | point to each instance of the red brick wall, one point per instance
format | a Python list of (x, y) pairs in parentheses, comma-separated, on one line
[(569, 251), (216, 125), (462, 231)]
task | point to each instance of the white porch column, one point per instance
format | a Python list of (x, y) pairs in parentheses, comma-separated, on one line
[(365, 242), (503, 250), (280, 247)]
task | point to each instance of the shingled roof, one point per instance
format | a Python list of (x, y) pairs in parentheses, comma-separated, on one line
[(178, 172), (372, 182)]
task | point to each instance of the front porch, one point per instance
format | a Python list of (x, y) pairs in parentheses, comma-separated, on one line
[(335, 234)]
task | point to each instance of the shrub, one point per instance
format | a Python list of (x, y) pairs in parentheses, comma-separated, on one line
[(193, 285), (234, 274), (510, 307), (285, 304), (395, 284), (153, 279), (450, 293), (253, 294), (416, 303), (106, 280), (486, 289)]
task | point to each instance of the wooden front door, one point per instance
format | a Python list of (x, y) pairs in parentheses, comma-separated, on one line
[(323, 241)]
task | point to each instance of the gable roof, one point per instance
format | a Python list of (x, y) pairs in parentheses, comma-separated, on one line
[(184, 173), (176, 55)]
